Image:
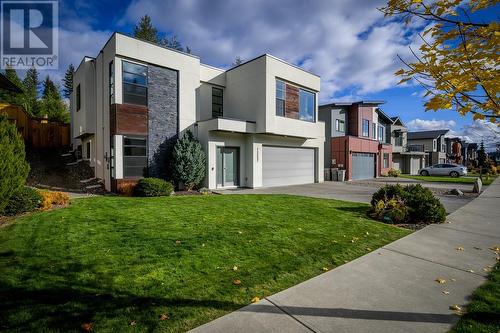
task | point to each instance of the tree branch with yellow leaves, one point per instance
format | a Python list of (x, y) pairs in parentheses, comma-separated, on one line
[(459, 60)]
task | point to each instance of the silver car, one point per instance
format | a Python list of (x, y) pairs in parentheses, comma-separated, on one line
[(452, 170)]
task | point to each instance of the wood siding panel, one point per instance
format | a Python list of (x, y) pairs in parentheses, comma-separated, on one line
[(129, 119), (292, 102)]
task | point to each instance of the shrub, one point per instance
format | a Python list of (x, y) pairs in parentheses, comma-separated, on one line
[(423, 206), (412, 204), (189, 161), (393, 173), (13, 166), (53, 198), (153, 187), (204, 191), (25, 199)]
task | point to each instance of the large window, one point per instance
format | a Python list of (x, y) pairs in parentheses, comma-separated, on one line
[(135, 83), (135, 157), (217, 102), (111, 82), (78, 98), (307, 103), (339, 125), (434, 145), (280, 98), (374, 131), (366, 127), (398, 140), (386, 160), (381, 133)]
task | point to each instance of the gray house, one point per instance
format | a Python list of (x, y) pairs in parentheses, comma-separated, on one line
[(432, 143), (407, 159)]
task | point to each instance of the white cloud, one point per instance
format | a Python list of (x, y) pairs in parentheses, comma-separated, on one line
[(429, 125), (481, 130), (348, 43)]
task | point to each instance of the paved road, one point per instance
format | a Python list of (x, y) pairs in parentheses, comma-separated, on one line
[(352, 191), (392, 289)]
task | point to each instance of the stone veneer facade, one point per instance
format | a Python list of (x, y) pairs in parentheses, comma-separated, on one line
[(163, 118)]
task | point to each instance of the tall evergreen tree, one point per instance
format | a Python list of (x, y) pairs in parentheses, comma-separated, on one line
[(68, 81), (52, 104), (49, 88), (145, 30), (7, 96), (30, 96), (189, 161)]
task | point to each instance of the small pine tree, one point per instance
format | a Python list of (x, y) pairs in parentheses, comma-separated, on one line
[(189, 161), (13, 166), (145, 30), (68, 81), (481, 158), (173, 43)]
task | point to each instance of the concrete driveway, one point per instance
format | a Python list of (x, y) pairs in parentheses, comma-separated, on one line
[(357, 191)]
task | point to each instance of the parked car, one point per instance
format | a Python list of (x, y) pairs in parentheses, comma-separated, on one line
[(452, 170)]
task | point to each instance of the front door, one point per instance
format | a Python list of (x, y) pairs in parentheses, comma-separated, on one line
[(228, 160)]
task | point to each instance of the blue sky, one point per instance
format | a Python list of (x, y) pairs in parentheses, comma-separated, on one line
[(348, 43)]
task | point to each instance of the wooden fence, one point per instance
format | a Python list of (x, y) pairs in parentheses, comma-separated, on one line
[(36, 132)]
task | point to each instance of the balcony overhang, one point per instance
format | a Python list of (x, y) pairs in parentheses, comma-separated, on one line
[(228, 125)]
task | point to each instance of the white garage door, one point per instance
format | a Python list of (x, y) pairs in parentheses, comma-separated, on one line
[(363, 166), (287, 166)]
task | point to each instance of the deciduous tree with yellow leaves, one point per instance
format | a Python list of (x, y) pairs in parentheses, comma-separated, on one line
[(458, 63)]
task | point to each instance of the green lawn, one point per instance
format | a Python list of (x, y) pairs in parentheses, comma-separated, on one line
[(111, 261), (483, 312), (445, 179)]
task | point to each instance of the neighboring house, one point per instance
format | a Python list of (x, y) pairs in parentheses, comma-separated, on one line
[(257, 122), (430, 142), (404, 159), (454, 150), (357, 139), (470, 153)]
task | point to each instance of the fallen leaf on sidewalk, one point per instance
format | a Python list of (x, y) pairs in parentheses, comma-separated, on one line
[(453, 280), (255, 299), (441, 281), (446, 292), (455, 307), (495, 248), (460, 248), (470, 271), (477, 248)]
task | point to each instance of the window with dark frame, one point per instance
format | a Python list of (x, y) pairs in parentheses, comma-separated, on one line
[(381, 133), (217, 102), (339, 125), (366, 128), (280, 98), (135, 157), (135, 83), (111, 82), (374, 131), (78, 98), (386, 160), (307, 104)]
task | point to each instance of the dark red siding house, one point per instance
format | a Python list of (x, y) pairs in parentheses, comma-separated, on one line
[(357, 139)]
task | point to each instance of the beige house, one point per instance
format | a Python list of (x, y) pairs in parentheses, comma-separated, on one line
[(405, 158), (257, 122)]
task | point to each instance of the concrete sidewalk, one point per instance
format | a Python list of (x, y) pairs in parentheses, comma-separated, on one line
[(392, 289)]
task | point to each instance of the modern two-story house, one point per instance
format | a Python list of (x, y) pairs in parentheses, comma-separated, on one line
[(432, 143), (357, 138), (257, 122), (404, 158)]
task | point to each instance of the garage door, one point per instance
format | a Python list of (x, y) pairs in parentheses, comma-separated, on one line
[(287, 166), (415, 165), (363, 166)]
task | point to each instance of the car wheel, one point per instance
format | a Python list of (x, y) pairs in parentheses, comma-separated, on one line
[(454, 174), (424, 173)]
